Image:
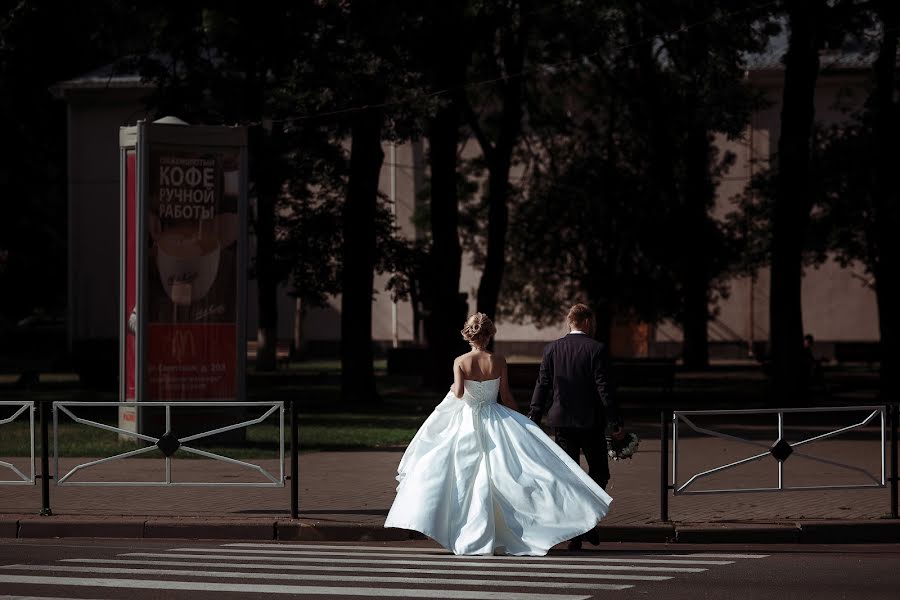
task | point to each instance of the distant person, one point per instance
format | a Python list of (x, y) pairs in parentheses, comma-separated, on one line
[(573, 391), (812, 365), (480, 478)]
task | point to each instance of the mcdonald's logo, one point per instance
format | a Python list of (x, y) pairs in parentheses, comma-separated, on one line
[(183, 345)]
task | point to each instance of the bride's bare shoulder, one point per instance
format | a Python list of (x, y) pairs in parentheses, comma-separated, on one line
[(463, 362), (463, 358)]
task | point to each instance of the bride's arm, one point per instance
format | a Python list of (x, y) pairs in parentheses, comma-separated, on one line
[(457, 388), (506, 397)]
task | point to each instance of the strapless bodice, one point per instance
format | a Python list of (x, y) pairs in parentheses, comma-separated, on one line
[(481, 392)]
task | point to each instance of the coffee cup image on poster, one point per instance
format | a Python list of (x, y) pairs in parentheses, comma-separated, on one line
[(192, 222)]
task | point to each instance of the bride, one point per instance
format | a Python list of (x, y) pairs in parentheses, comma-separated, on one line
[(480, 478)]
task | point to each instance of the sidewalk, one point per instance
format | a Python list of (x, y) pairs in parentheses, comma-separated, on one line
[(346, 496)]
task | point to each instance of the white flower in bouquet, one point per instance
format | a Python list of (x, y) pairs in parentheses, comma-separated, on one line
[(624, 448)]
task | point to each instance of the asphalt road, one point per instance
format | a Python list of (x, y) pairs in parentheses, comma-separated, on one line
[(73, 568)]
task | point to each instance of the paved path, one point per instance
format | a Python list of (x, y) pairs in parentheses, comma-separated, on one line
[(356, 489)]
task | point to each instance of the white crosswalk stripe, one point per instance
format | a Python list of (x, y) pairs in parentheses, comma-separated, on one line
[(375, 571), (710, 555), (308, 577), (364, 569), (574, 559), (471, 562)]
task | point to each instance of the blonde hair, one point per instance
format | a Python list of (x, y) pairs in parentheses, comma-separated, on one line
[(478, 330), (579, 316)]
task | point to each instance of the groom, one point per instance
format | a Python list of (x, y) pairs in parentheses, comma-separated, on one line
[(573, 390)]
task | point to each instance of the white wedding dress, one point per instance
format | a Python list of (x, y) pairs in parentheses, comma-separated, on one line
[(479, 478)]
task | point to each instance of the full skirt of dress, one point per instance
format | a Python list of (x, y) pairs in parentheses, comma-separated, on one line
[(479, 478)]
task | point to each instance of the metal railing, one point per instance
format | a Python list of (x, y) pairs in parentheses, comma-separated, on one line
[(780, 450), (23, 479), (169, 444)]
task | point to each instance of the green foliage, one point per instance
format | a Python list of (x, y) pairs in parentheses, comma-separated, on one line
[(609, 214), (600, 206)]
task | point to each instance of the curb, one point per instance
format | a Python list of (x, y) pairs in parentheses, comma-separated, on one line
[(811, 532), (9, 528), (208, 529), (44, 527), (885, 531), (650, 533), (737, 534)]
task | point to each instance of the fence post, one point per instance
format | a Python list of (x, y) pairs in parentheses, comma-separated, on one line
[(295, 470), (895, 418), (45, 462), (663, 467)]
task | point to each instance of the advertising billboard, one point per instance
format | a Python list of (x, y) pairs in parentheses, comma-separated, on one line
[(184, 263)]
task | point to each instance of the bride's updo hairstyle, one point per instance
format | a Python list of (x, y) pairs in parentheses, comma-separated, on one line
[(479, 330)]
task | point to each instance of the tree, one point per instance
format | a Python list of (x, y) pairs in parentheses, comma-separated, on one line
[(497, 126), (232, 68), (375, 71), (594, 226), (790, 216), (886, 125), (359, 236), (223, 63), (693, 87), (857, 213), (447, 59), (632, 142), (33, 129)]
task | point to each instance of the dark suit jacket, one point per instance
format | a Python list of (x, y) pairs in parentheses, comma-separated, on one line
[(573, 388)]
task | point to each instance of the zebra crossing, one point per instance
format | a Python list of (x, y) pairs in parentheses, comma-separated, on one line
[(375, 571)]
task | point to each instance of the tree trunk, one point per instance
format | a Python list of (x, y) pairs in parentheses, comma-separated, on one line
[(498, 221), (655, 108), (699, 197), (695, 272), (447, 311), (604, 318), (886, 126), (266, 275), (298, 328), (444, 320), (358, 274), (499, 160), (791, 216)]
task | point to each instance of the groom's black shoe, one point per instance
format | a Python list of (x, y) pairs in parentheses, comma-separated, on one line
[(575, 545), (593, 536)]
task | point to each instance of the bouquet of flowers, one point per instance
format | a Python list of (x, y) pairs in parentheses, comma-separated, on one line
[(624, 448)]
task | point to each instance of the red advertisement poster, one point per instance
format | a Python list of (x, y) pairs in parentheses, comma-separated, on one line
[(192, 293)]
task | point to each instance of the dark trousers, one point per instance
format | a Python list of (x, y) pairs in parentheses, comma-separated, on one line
[(593, 443)]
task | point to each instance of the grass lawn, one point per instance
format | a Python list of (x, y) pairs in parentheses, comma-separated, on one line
[(327, 424), (324, 423), (317, 432)]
